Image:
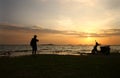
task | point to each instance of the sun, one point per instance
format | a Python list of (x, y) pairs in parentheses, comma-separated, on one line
[(88, 37)]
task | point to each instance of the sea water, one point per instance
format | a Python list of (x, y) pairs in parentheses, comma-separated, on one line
[(17, 50)]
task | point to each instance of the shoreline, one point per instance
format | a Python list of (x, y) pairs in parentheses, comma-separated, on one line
[(19, 54)]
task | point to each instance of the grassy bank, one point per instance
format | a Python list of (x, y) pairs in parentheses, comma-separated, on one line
[(55, 66)]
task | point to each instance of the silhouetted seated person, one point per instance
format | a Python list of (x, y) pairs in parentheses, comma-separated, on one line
[(94, 50), (33, 44)]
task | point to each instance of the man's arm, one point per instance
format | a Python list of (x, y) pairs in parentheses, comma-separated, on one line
[(37, 40)]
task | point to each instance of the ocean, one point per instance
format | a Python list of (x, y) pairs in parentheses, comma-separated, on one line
[(17, 50)]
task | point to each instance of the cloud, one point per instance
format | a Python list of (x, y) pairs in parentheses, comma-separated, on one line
[(85, 2), (12, 27), (102, 33), (45, 12), (105, 33), (112, 4), (111, 32)]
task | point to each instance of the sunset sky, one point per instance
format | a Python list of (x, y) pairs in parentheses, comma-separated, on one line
[(60, 21)]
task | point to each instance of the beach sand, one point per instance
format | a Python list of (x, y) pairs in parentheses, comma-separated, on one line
[(60, 66)]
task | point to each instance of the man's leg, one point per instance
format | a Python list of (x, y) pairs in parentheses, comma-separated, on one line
[(33, 50)]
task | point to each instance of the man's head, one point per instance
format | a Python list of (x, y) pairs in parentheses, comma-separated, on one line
[(35, 36)]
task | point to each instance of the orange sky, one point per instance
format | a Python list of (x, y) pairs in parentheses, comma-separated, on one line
[(60, 21), (20, 35)]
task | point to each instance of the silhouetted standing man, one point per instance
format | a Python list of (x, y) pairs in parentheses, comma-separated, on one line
[(33, 44)]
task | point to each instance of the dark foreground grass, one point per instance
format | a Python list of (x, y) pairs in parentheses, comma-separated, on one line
[(55, 66)]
